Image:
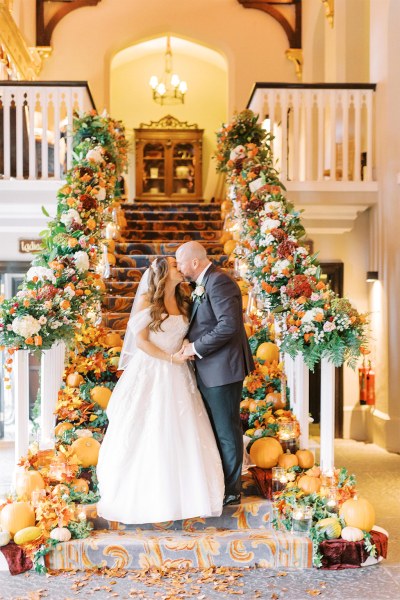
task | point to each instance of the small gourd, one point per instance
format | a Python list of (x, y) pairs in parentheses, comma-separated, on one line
[(352, 534), (28, 534), (82, 433), (5, 538), (330, 527), (61, 534)]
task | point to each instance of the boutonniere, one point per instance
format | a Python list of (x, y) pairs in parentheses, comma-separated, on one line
[(199, 293)]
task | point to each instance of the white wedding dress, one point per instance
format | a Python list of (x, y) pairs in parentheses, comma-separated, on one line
[(159, 460)]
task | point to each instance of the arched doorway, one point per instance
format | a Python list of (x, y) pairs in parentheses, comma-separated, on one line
[(206, 101)]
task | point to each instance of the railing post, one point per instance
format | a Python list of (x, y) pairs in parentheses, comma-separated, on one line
[(21, 399), (301, 405), (52, 367), (327, 422)]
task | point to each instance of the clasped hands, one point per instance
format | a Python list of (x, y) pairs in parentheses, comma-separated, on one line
[(185, 353)]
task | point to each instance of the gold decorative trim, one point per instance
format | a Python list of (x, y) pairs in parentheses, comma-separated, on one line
[(329, 10), (168, 122), (296, 56), (43, 51), (26, 62)]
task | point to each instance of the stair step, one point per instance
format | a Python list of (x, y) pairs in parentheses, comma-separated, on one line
[(141, 549), (122, 288), (162, 248), (173, 225), (127, 274), (115, 320), (137, 260), (164, 236), (159, 215), (254, 512), (173, 206), (117, 303)]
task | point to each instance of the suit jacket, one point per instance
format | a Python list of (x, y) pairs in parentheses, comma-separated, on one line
[(217, 330)]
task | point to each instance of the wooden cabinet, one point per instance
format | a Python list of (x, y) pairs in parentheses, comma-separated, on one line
[(168, 160)]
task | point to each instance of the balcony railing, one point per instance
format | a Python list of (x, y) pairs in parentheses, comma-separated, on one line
[(322, 132), (35, 119)]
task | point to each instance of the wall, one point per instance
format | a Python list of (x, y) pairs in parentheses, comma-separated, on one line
[(205, 102), (254, 44)]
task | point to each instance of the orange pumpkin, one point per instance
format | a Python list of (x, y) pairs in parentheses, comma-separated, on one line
[(101, 395), (86, 450), (115, 350), (358, 512), (276, 399), (254, 405), (225, 237), (268, 352), (226, 205), (288, 460), (230, 246), (305, 458), (62, 427), (100, 285), (74, 380), (111, 259), (110, 245), (245, 404), (27, 482), (17, 516), (112, 339), (80, 485), (308, 484), (265, 452)]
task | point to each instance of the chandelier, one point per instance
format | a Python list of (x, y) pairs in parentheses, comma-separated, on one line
[(169, 89)]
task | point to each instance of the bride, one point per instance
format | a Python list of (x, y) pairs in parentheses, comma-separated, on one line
[(159, 460)]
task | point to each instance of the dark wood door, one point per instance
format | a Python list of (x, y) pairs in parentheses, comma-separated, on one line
[(334, 274)]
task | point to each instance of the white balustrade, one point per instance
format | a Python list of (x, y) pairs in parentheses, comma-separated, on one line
[(322, 133), (327, 419), (21, 396), (36, 124), (301, 402)]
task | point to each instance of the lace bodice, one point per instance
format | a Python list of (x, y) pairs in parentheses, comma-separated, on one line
[(171, 335)]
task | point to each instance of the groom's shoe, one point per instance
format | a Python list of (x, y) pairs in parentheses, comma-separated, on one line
[(232, 499)]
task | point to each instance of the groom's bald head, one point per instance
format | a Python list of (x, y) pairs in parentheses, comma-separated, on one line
[(192, 259)]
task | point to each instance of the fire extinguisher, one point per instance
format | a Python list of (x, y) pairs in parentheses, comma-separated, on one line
[(362, 378), (370, 384)]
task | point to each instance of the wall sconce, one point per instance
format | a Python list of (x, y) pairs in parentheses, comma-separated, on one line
[(372, 276)]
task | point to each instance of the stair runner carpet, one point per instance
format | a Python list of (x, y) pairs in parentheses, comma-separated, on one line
[(243, 535)]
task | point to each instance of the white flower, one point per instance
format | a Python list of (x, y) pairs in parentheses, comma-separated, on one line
[(81, 261), (26, 326), (314, 297), (255, 185), (69, 217), (268, 224), (258, 433), (301, 251), (81, 433), (198, 293), (237, 153), (329, 326), (258, 261), (42, 273), (279, 266), (101, 194), (311, 314), (42, 320), (271, 206), (69, 291), (95, 155)]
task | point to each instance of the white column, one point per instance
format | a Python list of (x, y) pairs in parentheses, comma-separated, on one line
[(21, 400), (289, 372), (327, 422), (301, 405), (52, 367)]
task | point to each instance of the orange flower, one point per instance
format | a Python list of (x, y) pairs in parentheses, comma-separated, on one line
[(29, 340), (65, 304), (72, 242), (26, 303), (301, 300), (320, 285), (319, 317), (38, 340)]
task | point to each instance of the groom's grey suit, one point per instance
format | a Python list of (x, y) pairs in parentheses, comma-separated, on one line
[(217, 331)]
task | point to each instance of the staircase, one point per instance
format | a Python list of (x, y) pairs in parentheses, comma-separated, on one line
[(243, 535)]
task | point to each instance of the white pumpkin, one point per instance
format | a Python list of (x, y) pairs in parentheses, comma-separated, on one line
[(80, 433), (61, 534), (5, 538), (352, 534)]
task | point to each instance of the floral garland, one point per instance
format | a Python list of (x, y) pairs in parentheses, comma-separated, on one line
[(285, 278)]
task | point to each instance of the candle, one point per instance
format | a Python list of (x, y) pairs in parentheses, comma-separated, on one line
[(279, 480), (302, 520), (111, 231), (82, 515)]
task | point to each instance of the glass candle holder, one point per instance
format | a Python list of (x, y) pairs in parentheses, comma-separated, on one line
[(279, 480), (332, 498), (302, 520), (287, 435)]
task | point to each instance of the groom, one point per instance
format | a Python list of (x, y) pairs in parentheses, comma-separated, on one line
[(219, 345)]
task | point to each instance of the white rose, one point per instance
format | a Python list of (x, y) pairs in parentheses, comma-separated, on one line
[(279, 266), (101, 194), (269, 224), (81, 261), (258, 261), (26, 326), (42, 320), (238, 152), (255, 185), (311, 314), (271, 206), (69, 217), (69, 291), (95, 155), (42, 273)]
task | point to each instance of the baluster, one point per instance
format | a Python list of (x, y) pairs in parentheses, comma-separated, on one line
[(45, 149), (296, 134), (357, 135), (332, 106), (32, 142), (57, 118), (320, 145), (69, 105), (308, 140), (21, 399), (52, 367), (6, 133), (271, 114), (345, 141), (284, 154), (369, 105), (327, 419), (19, 114)]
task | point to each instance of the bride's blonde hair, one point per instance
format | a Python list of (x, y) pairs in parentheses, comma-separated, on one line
[(158, 276)]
